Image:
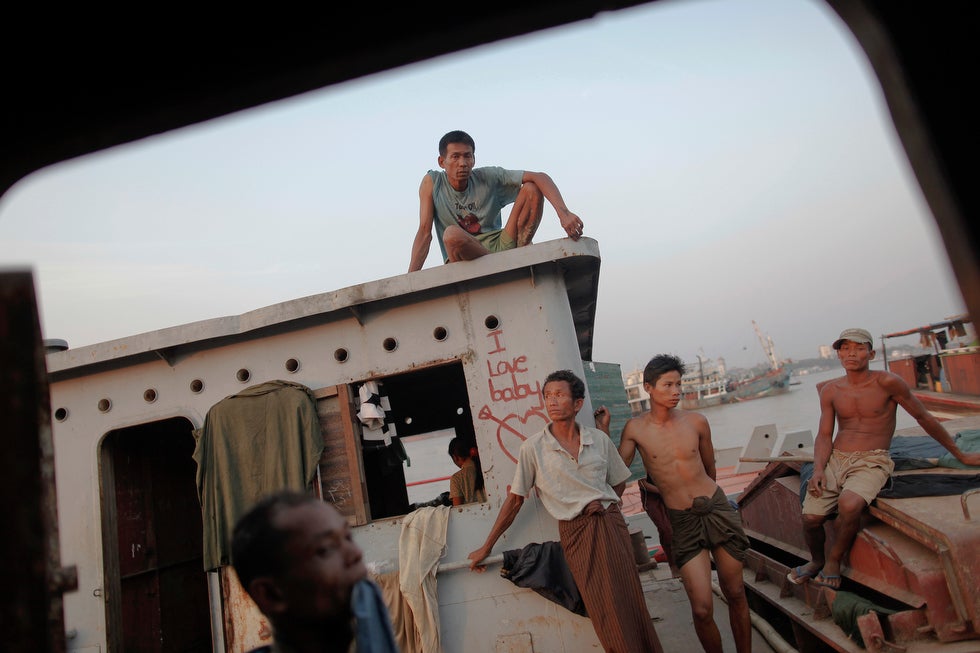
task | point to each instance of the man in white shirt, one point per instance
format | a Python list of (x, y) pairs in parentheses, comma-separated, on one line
[(579, 477)]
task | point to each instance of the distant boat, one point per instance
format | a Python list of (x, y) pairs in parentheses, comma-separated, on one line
[(705, 386), (772, 382), (709, 384), (944, 372)]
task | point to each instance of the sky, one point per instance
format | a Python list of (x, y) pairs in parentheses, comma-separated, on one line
[(734, 159)]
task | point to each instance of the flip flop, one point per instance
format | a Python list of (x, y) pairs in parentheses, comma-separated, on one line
[(798, 576), (827, 580)]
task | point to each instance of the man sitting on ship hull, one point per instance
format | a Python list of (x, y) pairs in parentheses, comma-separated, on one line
[(850, 469), (463, 204)]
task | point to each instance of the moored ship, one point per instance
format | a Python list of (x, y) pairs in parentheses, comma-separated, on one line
[(772, 382), (143, 502), (706, 385), (944, 370)]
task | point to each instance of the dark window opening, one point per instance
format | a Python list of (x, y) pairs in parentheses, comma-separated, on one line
[(423, 411)]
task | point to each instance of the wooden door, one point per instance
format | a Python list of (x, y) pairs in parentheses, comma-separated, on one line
[(155, 580)]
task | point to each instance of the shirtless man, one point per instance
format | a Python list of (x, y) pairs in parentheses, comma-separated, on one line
[(850, 470), (675, 446)]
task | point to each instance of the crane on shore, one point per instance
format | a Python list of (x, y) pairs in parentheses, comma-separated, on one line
[(767, 347)]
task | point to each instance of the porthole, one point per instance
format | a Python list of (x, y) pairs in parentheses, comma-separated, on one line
[(292, 365), (243, 375), (61, 414), (105, 405), (149, 395), (492, 322), (440, 333), (341, 355), (390, 344), (197, 385)]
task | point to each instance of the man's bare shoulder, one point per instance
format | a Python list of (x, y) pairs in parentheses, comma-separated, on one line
[(631, 422), (629, 429), (889, 381), (831, 386), (638, 424), (696, 424), (823, 384), (690, 416), (642, 426), (634, 420)]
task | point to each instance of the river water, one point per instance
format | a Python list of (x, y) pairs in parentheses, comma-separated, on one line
[(796, 410)]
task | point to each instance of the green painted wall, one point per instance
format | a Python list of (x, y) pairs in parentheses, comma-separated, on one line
[(605, 384)]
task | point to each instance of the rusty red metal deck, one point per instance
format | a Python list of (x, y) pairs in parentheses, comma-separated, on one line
[(921, 553)]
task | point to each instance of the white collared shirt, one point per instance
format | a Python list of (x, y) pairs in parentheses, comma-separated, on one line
[(565, 485)]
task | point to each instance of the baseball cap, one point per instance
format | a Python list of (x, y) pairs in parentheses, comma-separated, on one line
[(854, 335)]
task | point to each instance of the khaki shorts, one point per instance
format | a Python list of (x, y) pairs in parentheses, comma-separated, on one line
[(496, 241), (862, 472)]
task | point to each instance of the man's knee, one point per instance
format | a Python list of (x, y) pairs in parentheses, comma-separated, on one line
[(851, 505), (732, 589), (454, 238), (530, 190), (813, 522), (702, 609), (452, 233), (531, 200), (460, 246)]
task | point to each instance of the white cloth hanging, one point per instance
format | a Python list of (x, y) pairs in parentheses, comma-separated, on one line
[(372, 412), (420, 547)]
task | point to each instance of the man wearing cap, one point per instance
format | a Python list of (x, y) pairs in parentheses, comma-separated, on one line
[(850, 469)]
